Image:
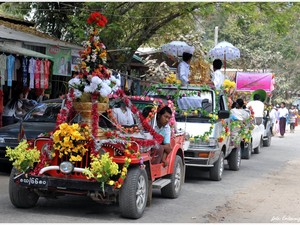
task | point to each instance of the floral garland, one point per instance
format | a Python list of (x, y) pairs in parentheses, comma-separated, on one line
[(225, 131), (66, 110)]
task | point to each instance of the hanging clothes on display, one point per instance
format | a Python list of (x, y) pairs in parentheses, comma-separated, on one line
[(10, 69), (37, 73), (16, 76), (25, 71), (3, 59), (47, 64), (42, 71), (31, 70)]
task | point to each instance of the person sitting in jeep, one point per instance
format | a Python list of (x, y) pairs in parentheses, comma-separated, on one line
[(162, 127), (239, 112)]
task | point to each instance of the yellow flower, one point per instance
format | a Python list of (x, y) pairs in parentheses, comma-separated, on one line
[(185, 113), (111, 182)]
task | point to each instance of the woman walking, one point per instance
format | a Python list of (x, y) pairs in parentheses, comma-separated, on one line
[(283, 113), (293, 116)]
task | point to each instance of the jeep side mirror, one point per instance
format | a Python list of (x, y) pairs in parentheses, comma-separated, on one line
[(223, 114)]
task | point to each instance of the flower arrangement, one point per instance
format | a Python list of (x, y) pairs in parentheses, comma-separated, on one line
[(23, 156), (102, 168), (93, 78), (228, 84), (72, 141), (171, 79)]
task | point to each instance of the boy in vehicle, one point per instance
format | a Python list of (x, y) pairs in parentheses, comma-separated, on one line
[(162, 127)]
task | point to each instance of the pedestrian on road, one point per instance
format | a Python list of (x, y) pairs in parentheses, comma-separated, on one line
[(293, 113), (283, 114)]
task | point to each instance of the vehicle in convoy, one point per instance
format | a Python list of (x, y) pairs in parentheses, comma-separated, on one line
[(59, 176), (202, 113), (40, 119)]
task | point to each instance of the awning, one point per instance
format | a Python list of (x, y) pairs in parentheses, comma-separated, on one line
[(13, 49)]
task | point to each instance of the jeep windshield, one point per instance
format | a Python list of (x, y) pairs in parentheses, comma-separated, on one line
[(192, 105)]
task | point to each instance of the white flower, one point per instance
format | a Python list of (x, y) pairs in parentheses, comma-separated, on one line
[(96, 80), (74, 82), (96, 38), (77, 93), (94, 57), (88, 58), (90, 88), (108, 82), (105, 90)]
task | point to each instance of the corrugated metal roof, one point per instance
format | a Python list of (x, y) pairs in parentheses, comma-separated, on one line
[(22, 51), (12, 34)]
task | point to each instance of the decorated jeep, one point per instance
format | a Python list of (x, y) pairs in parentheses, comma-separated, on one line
[(109, 164), (202, 113)]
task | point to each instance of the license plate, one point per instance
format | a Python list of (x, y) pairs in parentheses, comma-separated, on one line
[(33, 181)]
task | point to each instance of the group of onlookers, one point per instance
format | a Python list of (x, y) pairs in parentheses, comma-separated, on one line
[(281, 116)]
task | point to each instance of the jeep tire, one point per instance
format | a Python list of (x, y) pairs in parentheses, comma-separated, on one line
[(267, 143), (216, 172), (234, 159), (134, 193), (247, 151), (21, 197), (173, 189), (258, 148)]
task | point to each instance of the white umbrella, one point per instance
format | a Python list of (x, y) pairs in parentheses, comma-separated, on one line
[(224, 50), (177, 48)]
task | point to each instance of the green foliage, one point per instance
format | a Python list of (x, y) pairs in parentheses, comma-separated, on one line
[(23, 158)]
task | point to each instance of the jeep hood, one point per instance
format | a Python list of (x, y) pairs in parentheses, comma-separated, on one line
[(193, 129)]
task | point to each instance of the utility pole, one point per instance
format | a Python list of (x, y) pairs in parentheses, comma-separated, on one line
[(216, 35)]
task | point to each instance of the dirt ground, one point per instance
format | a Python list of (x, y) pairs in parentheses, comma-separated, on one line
[(279, 193)]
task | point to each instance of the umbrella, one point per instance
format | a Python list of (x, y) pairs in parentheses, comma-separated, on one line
[(176, 48), (224, 50)]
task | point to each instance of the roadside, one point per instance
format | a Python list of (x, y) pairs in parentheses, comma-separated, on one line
[(273, 198)]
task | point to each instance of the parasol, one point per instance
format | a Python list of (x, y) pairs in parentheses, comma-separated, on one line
[(224, 50), (176, 48)]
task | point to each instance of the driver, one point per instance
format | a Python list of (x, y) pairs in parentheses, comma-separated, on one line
[(162, 127)]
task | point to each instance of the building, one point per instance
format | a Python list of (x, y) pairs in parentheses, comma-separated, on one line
[(21, 44)]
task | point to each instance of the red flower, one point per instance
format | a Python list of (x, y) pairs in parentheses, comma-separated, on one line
[(97, 19)]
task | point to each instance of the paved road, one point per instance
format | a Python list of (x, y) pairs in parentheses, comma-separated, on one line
[(199, 199)]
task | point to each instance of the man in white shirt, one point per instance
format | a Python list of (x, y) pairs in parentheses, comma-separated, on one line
[(123, 115), (258, 108), (183, 69), (283, 113), (218, 77)]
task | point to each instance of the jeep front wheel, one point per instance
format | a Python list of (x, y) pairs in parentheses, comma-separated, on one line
[(258, 148), (247, 150), (172, 190), (234, 159), (216, 172), (21, 197), (133, 193)]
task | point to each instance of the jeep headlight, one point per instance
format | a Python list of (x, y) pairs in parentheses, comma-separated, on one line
[(66, 167)]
